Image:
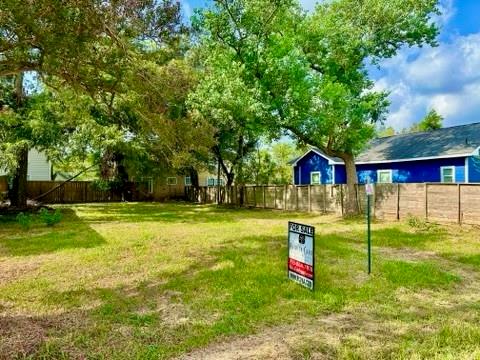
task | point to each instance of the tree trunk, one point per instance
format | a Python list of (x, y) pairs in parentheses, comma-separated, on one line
[(193, 173), (351, 207), (18, 195), (195, 184), (230, 177)]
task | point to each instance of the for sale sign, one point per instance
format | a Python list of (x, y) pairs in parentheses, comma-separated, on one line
[(301, 246)]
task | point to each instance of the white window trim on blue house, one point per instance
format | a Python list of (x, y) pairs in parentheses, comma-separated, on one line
[(390, 174), (331, 161), (442, 176), (466, 170), (312, 173)]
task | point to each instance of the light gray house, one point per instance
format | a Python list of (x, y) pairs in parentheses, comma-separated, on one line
[(39, 167)]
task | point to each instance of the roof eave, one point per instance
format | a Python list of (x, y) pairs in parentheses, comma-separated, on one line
[(331, 161)]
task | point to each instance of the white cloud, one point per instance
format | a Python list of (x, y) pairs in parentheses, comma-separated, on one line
[(447, 11), (446, 78)]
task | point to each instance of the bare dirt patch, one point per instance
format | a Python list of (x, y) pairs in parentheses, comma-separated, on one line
[(22, 336), (324, 334)]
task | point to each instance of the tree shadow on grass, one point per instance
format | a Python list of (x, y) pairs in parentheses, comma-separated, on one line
[(70, 233), (234, 288), (180, 212)]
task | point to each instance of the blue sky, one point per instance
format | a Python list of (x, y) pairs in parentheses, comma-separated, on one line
[(446, 78)]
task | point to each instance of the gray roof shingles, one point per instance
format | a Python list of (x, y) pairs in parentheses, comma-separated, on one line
[(446, 142), (457, 140)]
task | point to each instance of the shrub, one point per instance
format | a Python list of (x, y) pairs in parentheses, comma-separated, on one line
[(25, 220), (420, 224), (50, 218)]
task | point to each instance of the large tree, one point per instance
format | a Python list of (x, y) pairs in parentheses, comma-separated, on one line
[(110, 50), (230, 107), (308, 71)]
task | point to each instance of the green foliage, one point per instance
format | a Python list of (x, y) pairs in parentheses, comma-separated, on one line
[(420, 224), (383, 131), (270, 164), (107, 71), (306, 73), (25, 220), (50, 218), (431, 121), (315, 89)]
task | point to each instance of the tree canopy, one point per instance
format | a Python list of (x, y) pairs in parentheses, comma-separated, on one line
[(306, 73), (115, 67)]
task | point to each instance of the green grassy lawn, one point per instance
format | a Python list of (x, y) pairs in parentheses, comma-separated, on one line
[(149, 281)]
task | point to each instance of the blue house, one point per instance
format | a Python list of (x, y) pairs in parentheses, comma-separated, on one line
[(449, 155)]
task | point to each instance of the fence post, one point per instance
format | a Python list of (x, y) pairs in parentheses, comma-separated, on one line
[(374, 200), (275, 197), (325, 198), (255, 196), (309, 198), (398, 201), (264, 200), (357, 196), (459, 205), (285, 197), (426, 201), (341, 197), (296, 198)]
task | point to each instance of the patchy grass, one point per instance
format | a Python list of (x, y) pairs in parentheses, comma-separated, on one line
[(160, 280)]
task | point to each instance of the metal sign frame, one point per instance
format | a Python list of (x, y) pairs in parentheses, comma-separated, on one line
[(305, 230)]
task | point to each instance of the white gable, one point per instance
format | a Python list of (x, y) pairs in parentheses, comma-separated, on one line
[(39, 168)]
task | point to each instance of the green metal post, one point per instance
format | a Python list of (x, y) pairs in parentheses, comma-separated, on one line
[(369, 242)]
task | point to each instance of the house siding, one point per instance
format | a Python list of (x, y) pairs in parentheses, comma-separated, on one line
[(413, 171), (402, 172), (39, 168), (474, 169), (312, 162)]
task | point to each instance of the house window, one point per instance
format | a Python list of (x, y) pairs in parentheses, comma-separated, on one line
[(448, 174), (171, 180), (315, 178), (211, 181), (150, 185), (188, 181), (384, 176)]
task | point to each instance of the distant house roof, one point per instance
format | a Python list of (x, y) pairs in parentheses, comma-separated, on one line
[(456, 141), (331, 160)]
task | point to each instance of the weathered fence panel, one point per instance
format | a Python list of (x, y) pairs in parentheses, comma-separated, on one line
[(82, 192), (458, 203)]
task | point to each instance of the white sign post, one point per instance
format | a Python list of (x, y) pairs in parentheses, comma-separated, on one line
[(301, 250)]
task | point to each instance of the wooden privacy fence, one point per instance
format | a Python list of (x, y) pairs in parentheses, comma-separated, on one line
[(458, 203), (81, 192)]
